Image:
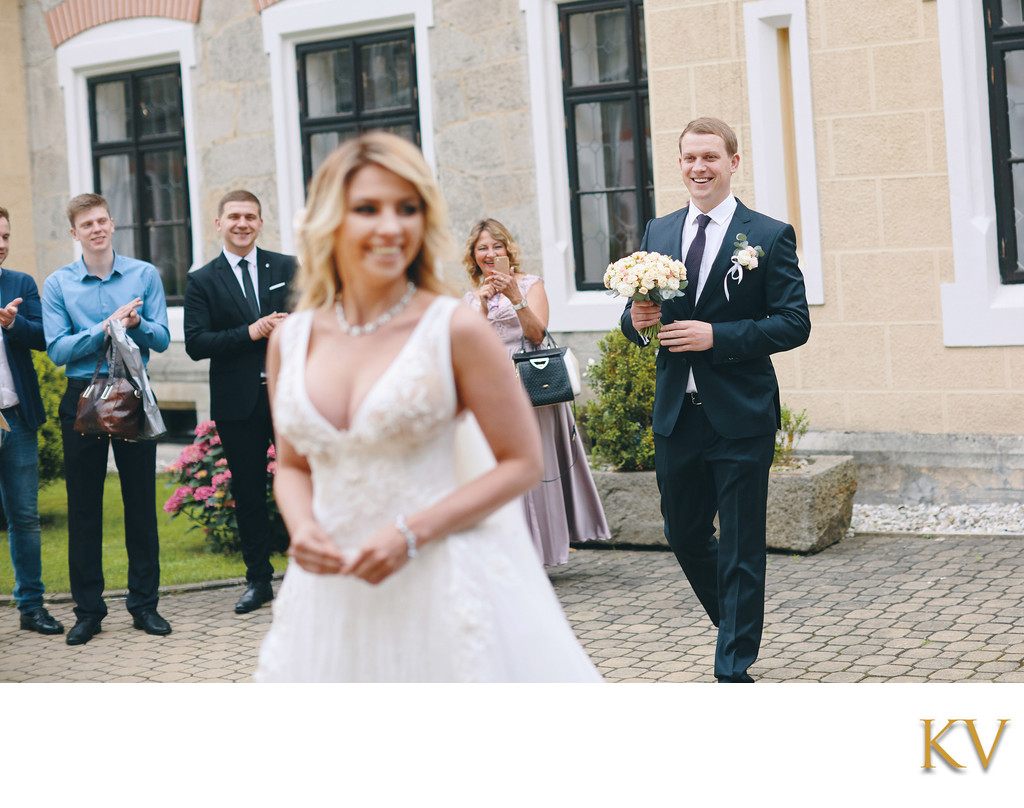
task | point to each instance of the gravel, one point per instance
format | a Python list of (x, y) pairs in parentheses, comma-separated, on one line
[(991, 520)]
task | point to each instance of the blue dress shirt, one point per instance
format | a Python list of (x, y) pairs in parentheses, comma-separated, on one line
[(75, 304)]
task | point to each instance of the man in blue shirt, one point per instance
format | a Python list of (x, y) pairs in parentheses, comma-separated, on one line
[(79, 300), (22, 322)]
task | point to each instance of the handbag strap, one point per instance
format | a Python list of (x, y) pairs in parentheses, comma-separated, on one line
[(547, 339)]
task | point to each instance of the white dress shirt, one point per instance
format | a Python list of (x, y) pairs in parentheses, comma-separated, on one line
[(235, 260), (714, 235)]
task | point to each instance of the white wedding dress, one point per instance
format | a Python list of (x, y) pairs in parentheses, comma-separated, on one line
[(472, 607)]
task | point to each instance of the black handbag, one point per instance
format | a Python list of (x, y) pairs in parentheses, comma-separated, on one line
[(110, 406), (543, 373)]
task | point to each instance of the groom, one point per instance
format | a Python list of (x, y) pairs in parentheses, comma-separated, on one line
[(716, 401)]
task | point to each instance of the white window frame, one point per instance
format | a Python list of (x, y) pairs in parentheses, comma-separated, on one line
[(977, 309), (121, 46), (761, 21), (294, 22), (570, 309)]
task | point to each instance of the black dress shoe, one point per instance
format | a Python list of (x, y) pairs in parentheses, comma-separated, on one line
[(41, 621), (150, 622), (256, 594), (83, 631)]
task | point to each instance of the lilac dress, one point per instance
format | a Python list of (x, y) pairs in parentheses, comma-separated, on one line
[(567, 508)]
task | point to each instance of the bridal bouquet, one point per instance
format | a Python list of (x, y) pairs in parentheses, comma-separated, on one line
[(646, 276)]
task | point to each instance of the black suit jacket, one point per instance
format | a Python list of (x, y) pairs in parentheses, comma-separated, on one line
[(24, 336), (765, 312), (217, 327)]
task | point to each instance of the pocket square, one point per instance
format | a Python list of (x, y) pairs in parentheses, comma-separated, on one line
[(276, 286)]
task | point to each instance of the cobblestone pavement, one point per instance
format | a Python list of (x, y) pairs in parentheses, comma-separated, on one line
[(870, 609)]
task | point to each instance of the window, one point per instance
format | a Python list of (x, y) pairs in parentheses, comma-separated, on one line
[(608, 132), (1004, 43), (348, 86), (138, 156)]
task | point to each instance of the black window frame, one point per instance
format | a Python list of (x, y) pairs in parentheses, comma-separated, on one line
[(1000, 40), (137, 146), (635, 91), (359, 120)]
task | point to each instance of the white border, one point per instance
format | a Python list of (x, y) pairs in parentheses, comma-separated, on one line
[(761, 20), (292, 22), (570, 310), (118, 46), (976, 309)]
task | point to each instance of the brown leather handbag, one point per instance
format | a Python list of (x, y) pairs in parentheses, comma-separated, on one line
[(110, 406)]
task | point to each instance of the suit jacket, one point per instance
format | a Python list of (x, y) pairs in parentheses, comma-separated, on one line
[(765, 312), (24, 336), (217, 327)]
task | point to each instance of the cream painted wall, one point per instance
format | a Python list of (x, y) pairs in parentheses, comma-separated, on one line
[(15, 179), (876, 360)]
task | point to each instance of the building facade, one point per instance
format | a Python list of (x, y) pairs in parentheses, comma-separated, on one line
[(885, 130)]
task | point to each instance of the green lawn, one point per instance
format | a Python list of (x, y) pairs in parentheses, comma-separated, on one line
[(183, 556)]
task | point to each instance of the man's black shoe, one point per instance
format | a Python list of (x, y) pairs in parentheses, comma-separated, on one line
[(256, 594), (150, 622), (83, 631), (41, 621)]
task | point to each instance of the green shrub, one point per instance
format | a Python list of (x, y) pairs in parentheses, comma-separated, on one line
[(618, 420), (203, 493), (52, 383), (794, 427)]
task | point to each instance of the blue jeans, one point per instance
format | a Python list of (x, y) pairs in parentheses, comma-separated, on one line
[(19, 488)]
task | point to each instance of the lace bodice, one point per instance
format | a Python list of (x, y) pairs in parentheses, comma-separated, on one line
[(397, 454)]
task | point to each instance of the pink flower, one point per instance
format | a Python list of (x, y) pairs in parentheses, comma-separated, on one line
[(215, 440), (203, 428), (222, 462), (204, 492), (272, 467), (200, 474), (272, 452), (191, 454), (175, 466), (218, 479), (181, 493)]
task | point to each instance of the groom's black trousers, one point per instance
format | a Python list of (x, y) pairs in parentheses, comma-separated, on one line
[(700, 473)]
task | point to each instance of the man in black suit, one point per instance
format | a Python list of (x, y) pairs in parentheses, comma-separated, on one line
[(716, 401), (231, 306), (21, 318)]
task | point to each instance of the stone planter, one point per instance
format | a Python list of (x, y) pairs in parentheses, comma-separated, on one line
[(808, 509)]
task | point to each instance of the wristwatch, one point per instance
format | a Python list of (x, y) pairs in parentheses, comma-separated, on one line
[(522, 304)]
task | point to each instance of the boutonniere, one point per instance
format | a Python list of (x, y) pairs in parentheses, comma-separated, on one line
[(743, 257)]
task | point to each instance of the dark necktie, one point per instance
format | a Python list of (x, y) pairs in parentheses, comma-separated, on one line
[(695, 255), (250, 292)]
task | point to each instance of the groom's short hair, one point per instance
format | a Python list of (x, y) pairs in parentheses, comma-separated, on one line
[(711, 126)]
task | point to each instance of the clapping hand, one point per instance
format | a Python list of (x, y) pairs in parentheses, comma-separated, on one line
[(314, 551), (127, 315), (263, 327), (9, 312)]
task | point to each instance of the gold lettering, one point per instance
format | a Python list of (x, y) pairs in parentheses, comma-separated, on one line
[(933, 743), (977, 741)]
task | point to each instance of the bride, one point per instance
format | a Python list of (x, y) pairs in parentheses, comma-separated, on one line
[(402, 437)]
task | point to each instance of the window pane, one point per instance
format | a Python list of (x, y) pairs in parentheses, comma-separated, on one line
[(171, 254), (111, 104), (405, 130), (1012, 14), (117, 184), (610, 231), (1014, 61), (165, 186), (604, 145), (159, 104), (329, 86), (641, 41), (322, 144), (386, 75), (598, 47)]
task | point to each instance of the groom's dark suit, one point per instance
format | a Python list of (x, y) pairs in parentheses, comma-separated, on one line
[(217, 323), (713, 456)]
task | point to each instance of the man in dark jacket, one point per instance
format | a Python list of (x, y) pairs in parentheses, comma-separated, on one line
[(21, 328)]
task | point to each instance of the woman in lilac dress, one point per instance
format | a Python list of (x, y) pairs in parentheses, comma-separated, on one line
[(565, 507)]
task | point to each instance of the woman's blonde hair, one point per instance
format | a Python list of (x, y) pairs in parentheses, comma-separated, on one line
[(500, 234), (317, 279)]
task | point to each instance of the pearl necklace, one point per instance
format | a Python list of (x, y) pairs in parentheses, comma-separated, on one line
[(373, 325)]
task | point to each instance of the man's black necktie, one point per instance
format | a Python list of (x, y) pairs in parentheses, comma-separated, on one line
[(250, 292), (695, 255)]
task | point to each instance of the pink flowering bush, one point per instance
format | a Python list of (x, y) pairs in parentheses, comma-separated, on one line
[(203, 493)]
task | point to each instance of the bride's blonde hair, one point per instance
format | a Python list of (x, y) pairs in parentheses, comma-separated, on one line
[(317, 279)]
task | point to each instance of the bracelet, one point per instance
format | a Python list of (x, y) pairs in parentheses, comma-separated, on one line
[(522, 304), (410, 538)]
